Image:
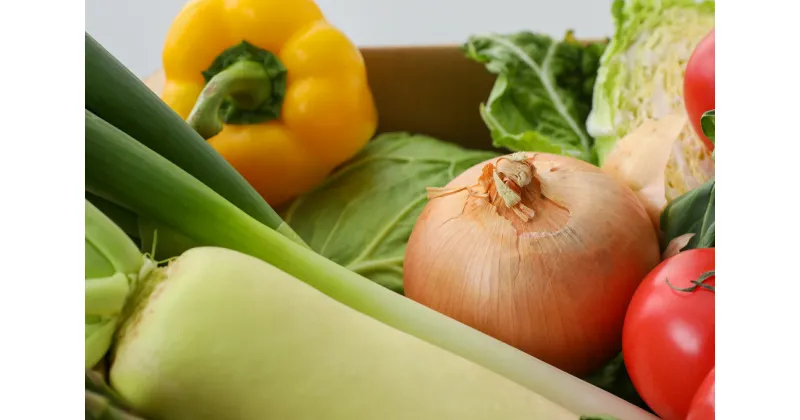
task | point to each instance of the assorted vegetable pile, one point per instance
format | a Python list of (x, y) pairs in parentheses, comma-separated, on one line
[(255, 250), (362, 215)]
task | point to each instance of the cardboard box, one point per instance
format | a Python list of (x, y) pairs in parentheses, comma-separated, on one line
[(433, 90)]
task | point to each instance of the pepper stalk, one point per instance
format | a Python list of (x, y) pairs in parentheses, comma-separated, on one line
[(245, 85)]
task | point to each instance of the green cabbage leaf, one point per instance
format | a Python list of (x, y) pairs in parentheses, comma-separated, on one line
[(543, 92), (641, 71)]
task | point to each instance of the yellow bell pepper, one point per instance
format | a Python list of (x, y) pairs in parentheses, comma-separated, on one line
[(280, 93)]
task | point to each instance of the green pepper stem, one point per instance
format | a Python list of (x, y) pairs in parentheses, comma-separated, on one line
[(246, 83)]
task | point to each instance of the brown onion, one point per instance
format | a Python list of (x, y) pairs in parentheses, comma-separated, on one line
[(550, 272)]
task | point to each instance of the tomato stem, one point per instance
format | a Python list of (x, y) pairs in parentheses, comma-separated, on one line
[(695, 283)]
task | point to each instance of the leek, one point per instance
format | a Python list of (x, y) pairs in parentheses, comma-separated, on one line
[(124, 218), (115, 94)]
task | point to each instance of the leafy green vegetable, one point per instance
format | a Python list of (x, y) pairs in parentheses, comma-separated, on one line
[(613, 377), (362, 215), (641, 71), (708, 123), (543, 92), (692, 212)]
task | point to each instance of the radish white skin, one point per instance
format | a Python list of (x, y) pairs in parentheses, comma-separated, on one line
[(227, 336)]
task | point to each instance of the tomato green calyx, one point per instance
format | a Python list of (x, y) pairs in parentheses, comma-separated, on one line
[(695, 283)]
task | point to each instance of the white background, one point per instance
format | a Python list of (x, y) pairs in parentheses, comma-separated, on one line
[(134, 30)]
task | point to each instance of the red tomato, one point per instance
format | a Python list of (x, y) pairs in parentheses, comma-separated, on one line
[(698, 84), (668, 335), (702, 407)]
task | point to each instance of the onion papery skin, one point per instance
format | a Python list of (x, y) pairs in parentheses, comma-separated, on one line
[(557, 286)]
